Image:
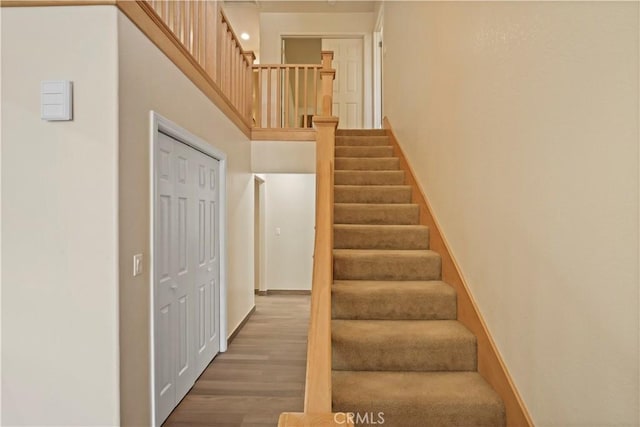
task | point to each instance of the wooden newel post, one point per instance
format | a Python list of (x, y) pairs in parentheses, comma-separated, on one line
[(249, 57), (327, 75)]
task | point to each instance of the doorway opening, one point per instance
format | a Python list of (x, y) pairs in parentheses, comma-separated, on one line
[(259, 236)]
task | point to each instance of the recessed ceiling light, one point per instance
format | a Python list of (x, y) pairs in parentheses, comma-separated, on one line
[(244, 36)]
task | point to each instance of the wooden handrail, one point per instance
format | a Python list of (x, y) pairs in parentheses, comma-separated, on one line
[(317, 400)]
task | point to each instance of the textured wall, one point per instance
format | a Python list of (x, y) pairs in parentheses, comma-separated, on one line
[(521, 121), (59, 220)]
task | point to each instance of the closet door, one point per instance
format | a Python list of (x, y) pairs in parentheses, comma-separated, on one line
[(187, 269), (207, 265)]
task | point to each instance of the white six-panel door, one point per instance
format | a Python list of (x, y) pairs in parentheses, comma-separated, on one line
[(348, 85), (187, 269)]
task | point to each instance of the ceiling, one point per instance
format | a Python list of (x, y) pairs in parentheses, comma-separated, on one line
[(244, 15)]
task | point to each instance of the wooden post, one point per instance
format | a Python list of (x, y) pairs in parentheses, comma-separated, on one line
[(327, 75)]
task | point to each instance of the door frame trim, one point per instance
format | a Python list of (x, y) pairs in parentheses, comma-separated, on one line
[(159, 123)]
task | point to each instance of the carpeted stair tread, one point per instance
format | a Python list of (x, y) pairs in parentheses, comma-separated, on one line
[(376, 213), (419, 399), (367, 163), (364, 151), (402, 345), (372, 194), (361, 132), (365, 236), (395, 177), (397, 347), (373, 264), (392, 300)]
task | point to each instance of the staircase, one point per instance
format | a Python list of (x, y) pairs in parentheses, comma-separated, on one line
[(397, 346)]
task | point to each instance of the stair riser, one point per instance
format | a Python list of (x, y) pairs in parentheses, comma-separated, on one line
[(376, 214), (371, 152), (350, 141), (399, 354), (380, 238), (369, 178), (422, 399), (359, 303), (368, 164), (372, 194), (386, 268)]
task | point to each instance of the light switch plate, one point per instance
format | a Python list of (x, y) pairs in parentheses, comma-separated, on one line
[(56, 100), (137, 265)]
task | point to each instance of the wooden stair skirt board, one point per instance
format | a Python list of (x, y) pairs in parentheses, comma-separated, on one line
[(408, 342)]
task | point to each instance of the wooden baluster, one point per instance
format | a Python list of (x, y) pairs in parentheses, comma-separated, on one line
[(232, 72), (210, 28), (222, 40), (241, 74), (229, 61), (287, 83), (199, 33), (195, 29), (192, 29), (250, 57), (170, 21), (238, 73), (315, 91), (260, 98), (247, 92), (305, 108), (296, 97), (279, 97), (181, 22), (269, 97)]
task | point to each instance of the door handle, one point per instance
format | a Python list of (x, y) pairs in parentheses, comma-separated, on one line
[(209, 269), (173, 286)]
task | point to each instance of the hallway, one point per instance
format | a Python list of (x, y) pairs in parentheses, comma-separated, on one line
[(261, 375)]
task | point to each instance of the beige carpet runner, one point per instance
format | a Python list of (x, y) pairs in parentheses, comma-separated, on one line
[(399, 354)]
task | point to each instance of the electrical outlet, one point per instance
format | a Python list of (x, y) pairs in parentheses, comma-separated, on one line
[(137, 265)]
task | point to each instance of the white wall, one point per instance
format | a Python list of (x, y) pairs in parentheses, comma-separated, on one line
[(283, 156), (59, 220), (150, 81), (273, 26), (521, 121), (290, 206)]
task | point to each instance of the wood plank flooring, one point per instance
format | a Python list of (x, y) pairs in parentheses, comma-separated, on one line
[(261, 375)]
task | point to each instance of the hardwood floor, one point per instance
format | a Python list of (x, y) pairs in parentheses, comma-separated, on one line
[(261, 375)]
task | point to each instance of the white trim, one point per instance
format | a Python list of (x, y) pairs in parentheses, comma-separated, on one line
[(164, 125), (367, 64), (377, 80)]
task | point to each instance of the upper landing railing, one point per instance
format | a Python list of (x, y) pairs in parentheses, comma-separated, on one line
[(273, 97)]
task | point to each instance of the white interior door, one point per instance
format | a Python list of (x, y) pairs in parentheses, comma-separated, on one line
[(348, 85), (187, 269)]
